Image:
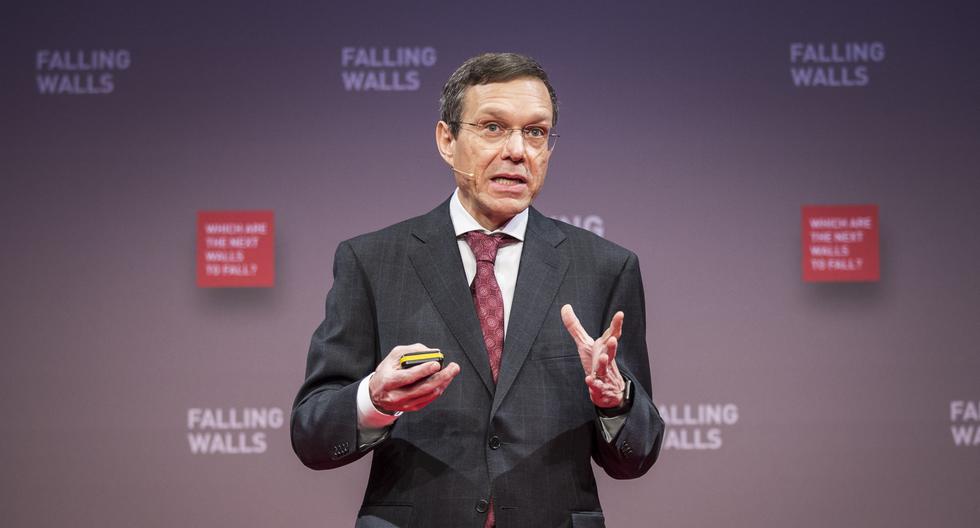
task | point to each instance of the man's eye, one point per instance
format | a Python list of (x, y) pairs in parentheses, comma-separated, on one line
[(493, 128), (535, 132)]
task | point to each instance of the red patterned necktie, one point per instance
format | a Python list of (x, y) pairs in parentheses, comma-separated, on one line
[(486, 295), (489, 308)]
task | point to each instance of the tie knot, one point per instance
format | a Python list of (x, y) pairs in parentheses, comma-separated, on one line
[(485, 246)]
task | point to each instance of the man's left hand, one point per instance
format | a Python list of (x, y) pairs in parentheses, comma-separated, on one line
[(598, 357)]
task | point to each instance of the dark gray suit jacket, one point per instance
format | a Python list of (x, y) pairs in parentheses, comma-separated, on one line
[(529, 440)]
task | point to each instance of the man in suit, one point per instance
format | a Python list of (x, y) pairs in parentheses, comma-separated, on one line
[(532, 389)]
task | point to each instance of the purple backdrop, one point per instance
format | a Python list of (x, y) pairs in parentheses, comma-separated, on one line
[(685, 137)]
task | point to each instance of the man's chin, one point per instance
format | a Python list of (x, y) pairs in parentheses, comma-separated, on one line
[(511, 206), (501, 211)]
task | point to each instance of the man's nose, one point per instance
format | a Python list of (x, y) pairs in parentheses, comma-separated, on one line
[(514, 146)]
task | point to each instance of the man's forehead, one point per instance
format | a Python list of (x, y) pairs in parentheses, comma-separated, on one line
[(525, 95)]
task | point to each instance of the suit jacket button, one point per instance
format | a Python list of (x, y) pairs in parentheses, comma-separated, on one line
[(482, 505), (494, 442)]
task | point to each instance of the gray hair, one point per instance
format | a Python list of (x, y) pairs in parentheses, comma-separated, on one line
[(484, 69)]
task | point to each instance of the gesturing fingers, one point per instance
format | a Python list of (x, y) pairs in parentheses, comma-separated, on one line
[(604, 394), (604, 358), (615, 327), (605, 382), (598, 357), (574, 327)]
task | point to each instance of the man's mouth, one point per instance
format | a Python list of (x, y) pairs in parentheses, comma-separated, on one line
[(509, 179)]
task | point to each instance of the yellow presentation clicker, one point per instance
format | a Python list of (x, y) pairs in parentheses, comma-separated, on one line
[(417, 358)]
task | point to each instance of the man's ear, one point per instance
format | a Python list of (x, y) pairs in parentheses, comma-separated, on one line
[(445, 142)]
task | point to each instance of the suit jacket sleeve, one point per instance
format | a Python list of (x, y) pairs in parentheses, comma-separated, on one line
[(637, 445), (343, 350)]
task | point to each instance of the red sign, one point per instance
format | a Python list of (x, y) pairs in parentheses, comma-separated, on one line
[(840, 243), (235, 249)]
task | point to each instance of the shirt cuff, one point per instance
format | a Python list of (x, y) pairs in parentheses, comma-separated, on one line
[(611, 426), (369, 418)]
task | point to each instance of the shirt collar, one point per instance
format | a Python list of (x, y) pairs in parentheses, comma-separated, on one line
[(463, 222)]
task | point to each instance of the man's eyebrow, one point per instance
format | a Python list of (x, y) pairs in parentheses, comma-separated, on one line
[(494, 113)]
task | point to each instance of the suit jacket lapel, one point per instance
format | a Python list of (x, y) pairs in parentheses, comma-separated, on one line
[(437, 262), (538, 279)]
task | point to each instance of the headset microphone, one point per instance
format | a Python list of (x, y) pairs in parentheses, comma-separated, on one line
[(470, 174)]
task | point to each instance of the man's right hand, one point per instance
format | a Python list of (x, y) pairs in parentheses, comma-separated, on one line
[(393, 388)]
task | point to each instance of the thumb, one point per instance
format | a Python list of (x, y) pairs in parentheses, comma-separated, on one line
[(573, 325)]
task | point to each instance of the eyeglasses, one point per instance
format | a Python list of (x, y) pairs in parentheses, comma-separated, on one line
[(495, 134)]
